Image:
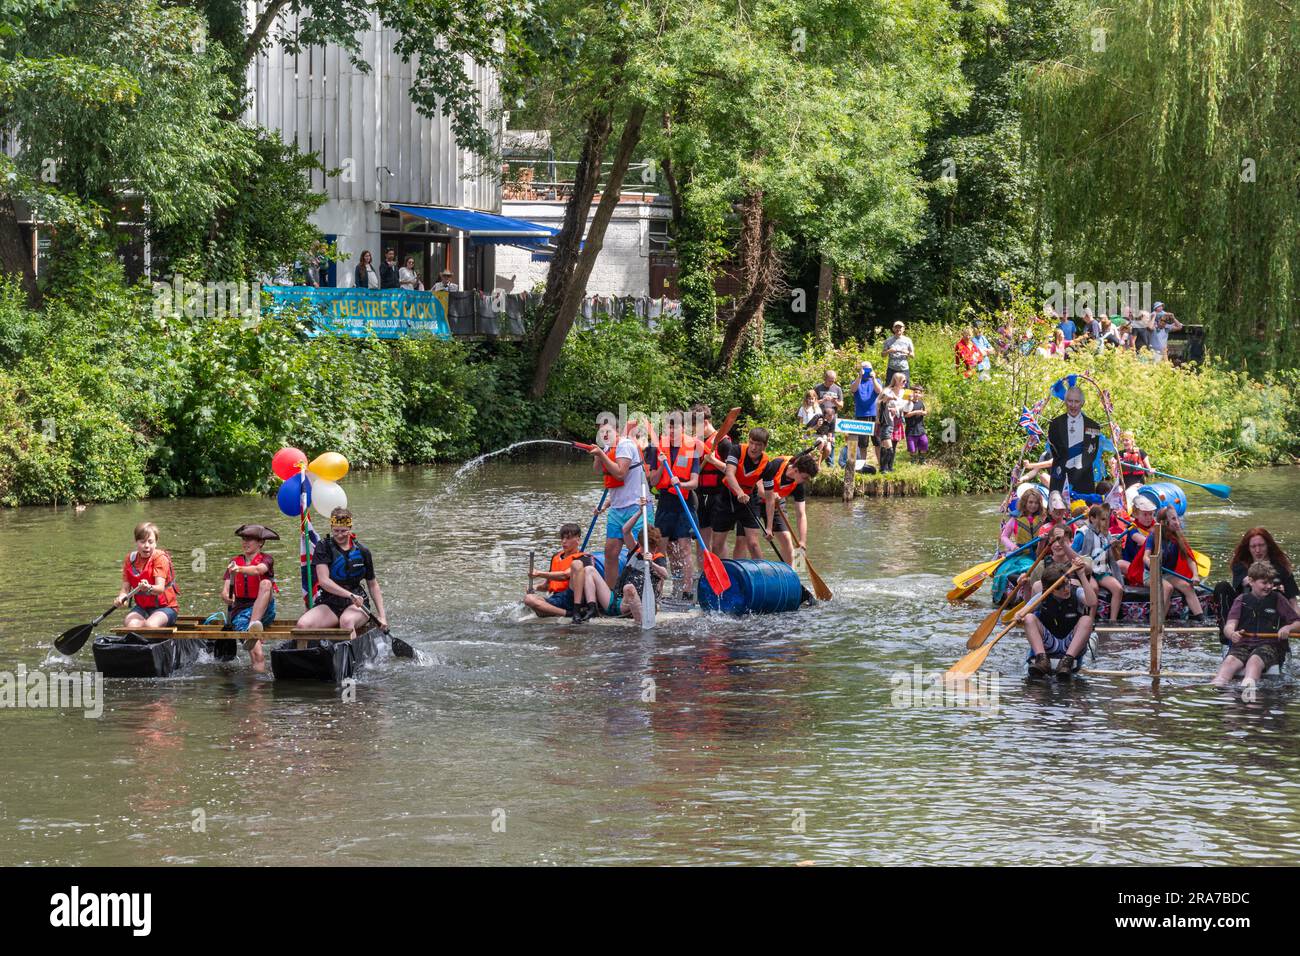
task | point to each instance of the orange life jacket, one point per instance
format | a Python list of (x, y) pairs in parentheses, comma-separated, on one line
[(748, 479), (687, 452), (783, 490), (562, 562), (710, 476), (135, 574), (244, 586)]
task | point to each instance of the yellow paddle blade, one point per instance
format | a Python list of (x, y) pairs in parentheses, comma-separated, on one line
[(962, 593), (969, 664), (965, 578), (1203, 564), (1011, 612)]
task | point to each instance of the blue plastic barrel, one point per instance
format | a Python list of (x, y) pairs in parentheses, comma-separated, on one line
[(599, 561), (757, 587), (1163, 494)]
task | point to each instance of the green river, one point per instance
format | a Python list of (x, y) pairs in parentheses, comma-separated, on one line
[(770, 740)]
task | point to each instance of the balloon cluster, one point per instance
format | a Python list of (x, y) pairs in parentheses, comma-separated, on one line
[(319, 479)]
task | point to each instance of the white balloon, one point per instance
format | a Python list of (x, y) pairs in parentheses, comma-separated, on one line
[(326, 496)]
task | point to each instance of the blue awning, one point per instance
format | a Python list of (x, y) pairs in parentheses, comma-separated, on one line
[(485, 228)]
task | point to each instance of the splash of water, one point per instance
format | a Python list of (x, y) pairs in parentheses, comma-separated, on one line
[(474, 463)]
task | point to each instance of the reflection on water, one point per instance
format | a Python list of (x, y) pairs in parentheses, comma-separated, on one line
[(717, 740)]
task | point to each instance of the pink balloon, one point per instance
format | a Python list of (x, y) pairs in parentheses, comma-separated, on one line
[(287, 461)]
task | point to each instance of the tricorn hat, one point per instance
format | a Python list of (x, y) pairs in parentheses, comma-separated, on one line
[(256, 531)]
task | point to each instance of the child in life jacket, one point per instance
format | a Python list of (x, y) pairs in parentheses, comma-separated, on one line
[(1060, 627), (1258, 626), (1177, 564), (249, 587), (563, 578), (625, 597), (150, 567), (1094, 541)]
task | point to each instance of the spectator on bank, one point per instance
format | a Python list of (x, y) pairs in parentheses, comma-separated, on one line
[(810, 410), (890, 425), (899, 352), (918, 442), (810, 416), (830, 395), (1164, 323), (1110, 334), (444, 283), (1140, 331), (1057, 347), (407, 277), (365, 276), (1091, 325), (388, 275), (1068, 328), (982, 343), (968, 354), (866, 389)]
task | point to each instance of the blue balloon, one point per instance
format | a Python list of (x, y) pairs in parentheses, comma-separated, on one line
[(289, 497)]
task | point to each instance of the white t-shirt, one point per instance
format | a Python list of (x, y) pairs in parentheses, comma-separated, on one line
[(630, 492), (903, 344)]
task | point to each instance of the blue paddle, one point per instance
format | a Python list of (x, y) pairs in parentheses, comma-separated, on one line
[(1219, 491), (592, 527)]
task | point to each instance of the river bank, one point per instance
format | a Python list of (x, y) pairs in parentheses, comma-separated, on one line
[(114, 402)]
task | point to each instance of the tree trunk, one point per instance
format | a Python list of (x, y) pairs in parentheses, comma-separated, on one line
[(14, 258), (825, 304), (570, 297), (757, 260)]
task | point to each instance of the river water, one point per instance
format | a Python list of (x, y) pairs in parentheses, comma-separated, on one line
[(765, 740)]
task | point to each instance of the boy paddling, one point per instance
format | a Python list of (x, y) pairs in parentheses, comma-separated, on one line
[(785, 477), (745, 466), (675, 460), (248, 586), (150, 567), (616, 466), (1060, 627), (1259, 624)]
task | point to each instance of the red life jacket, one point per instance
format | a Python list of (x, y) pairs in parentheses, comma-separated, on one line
[(748, 479), (562, 562), (135, 574), (1126, 460), (783, 490), (244, 586), (680, 466), (710, 476)]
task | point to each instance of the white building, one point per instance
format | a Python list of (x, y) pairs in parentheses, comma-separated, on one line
[(634, 259), (365, 125)]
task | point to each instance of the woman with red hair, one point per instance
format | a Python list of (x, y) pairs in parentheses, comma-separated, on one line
[(1256, 545)]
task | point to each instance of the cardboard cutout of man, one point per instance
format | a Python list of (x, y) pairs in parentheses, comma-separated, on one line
[(1075, 441)]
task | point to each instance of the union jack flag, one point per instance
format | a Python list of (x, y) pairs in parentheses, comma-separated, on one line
[(1029, 421)]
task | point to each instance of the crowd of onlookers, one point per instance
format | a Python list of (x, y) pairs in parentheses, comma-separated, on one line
[(1055, 336), (894, 406)]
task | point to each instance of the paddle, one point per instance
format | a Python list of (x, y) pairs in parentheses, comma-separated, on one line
[(1219, 491), (987, 625), (400, 647), (772, 544), (819, 586), (648, 598), (590, 528), (714, 572), (975, 659), (969, 581), (532, 556), (74, 638)]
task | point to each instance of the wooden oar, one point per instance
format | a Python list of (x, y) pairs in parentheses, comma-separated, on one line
[(819, 586), (772, 544), (1219, 491), (975, 659), (74, 638), (987, 625)]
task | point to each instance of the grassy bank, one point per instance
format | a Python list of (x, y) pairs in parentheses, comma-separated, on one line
[(105, 401)]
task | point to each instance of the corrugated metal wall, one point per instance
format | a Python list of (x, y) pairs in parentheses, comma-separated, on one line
[(365, 123)]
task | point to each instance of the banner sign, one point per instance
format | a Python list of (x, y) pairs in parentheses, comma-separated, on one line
[(850, 426), (390, 313)]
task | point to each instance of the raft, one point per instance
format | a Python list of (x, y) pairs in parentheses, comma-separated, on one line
[(144, 653), (324, 660), (1136, 606), (757, 587)]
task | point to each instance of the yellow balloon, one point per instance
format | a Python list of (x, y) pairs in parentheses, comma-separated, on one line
[(331, 466)]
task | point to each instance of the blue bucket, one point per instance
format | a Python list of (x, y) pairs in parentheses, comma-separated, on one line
[(1163, 494), (757, 587)]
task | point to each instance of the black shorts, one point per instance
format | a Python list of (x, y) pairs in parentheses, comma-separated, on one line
[(335, 603), (778, 521), (747, 514), (671, 519), (721, 514)]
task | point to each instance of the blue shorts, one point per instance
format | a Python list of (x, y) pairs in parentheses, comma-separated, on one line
[(671, 519), (146, 611), (241, 619), (615, 518), (561, 599)]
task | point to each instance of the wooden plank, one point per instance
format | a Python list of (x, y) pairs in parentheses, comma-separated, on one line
[(1144, 629), (1089, 672), (145, 631)]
